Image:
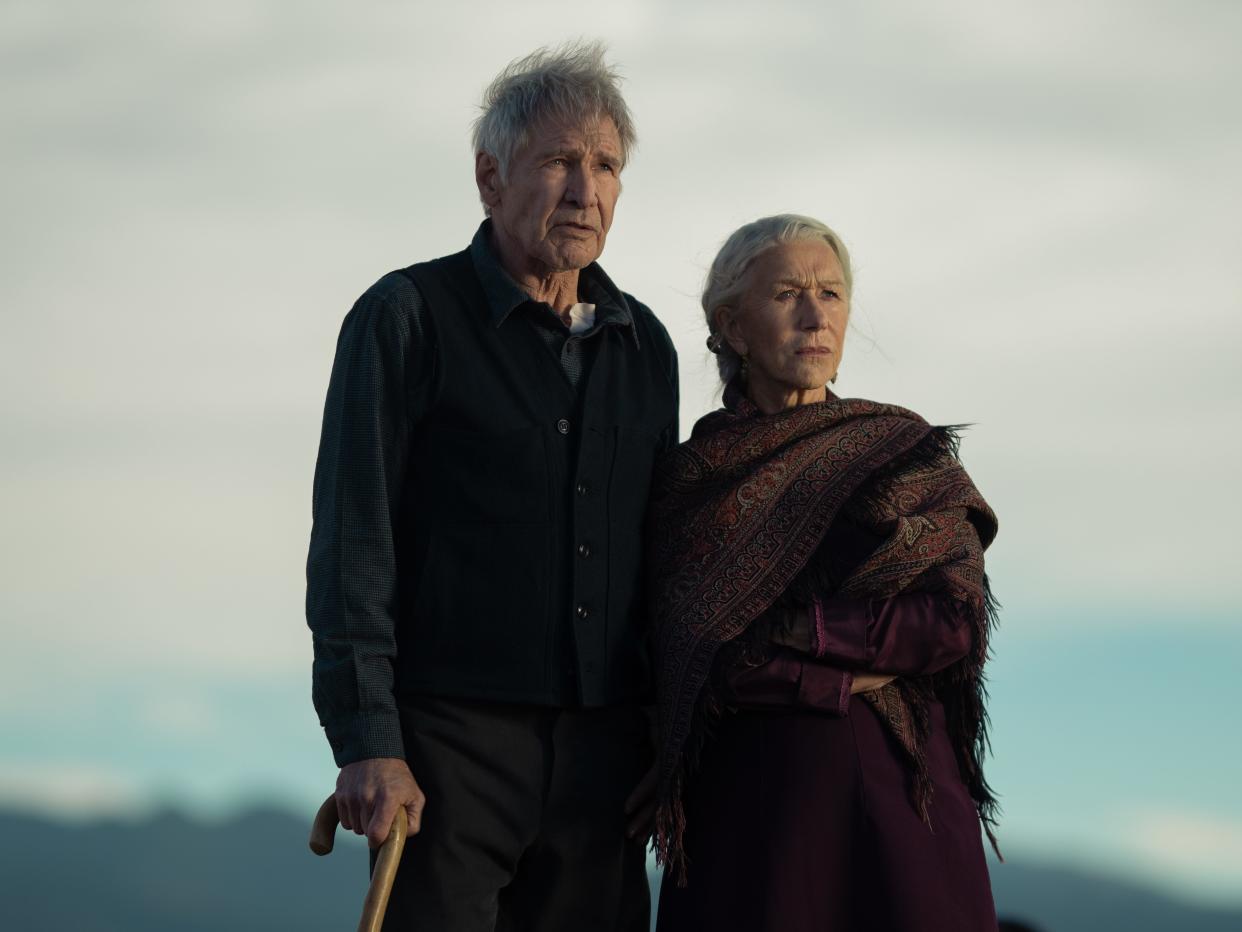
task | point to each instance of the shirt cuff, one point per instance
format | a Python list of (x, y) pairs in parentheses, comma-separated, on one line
[(772, 685), (839, 629), (825, 688), (366, 737)]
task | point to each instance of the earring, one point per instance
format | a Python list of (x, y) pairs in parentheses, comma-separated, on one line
[(833, 380), (745, 366), (715, 341)]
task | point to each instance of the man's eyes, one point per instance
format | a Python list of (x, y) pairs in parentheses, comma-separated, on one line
[(563, 162)]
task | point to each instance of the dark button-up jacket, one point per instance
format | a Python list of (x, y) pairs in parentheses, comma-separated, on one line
[(479, 497)]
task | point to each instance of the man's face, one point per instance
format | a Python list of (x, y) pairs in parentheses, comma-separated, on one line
[(554, 211)]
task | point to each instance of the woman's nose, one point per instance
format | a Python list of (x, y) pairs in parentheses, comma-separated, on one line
[(815, 312)]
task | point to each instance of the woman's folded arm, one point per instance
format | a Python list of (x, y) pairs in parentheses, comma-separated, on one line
[(910, 634), (788, 680)]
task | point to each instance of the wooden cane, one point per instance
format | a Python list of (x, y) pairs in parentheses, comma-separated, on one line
[(322, 838)]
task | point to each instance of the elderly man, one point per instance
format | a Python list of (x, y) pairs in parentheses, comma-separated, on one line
[(474, 570)]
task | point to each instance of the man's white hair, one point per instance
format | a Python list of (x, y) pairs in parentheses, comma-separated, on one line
[(570, 83), (726, 279)]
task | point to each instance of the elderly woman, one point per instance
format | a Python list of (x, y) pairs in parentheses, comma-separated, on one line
[(821, 626)]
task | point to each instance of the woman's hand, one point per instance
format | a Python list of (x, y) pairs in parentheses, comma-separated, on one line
[(792, 629), (865, 682)]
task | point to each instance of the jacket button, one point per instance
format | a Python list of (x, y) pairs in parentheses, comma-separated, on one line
[(583, 613), (563, 425), (582, 489), (584, 550)]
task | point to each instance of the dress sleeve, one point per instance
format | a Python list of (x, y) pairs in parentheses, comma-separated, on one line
[(382, 381), (790, 680), (905, 635)]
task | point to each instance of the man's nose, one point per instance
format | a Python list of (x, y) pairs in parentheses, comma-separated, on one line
[(582, 188)]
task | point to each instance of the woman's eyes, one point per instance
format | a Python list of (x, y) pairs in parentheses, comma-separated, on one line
[(793, 293)]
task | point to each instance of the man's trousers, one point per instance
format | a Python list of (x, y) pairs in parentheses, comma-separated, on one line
[(524, 826)]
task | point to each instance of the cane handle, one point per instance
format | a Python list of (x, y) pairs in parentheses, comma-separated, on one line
[(322, 837)]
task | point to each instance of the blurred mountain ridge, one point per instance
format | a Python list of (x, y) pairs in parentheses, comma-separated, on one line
[(169, 872)]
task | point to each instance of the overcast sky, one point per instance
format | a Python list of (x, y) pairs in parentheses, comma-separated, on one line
[(1042, 202)]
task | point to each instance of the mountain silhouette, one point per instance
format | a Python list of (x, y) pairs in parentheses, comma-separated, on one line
[(254, 873)]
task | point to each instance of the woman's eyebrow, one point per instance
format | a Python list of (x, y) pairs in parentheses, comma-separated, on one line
[(804, 282)]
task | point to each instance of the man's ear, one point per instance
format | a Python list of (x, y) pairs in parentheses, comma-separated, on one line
[(487, 177)]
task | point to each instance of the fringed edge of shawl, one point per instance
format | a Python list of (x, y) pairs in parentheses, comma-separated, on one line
[(670, 829), (961, 689), (967, 716)]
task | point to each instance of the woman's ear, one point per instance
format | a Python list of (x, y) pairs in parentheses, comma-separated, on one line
[(727, 323)]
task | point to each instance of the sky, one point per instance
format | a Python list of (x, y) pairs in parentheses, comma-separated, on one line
[(1042, 202)]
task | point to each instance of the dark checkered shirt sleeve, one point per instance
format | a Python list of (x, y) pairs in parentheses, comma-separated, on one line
[(382, 381)]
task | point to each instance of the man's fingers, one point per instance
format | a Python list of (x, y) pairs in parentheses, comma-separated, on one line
[(381, 821), (346, 812), (414, 812), (641, 823), (643, 792)]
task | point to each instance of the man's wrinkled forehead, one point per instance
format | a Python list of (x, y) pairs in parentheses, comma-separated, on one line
[(575, 135)]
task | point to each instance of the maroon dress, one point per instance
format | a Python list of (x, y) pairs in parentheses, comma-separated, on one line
[(799, 815)]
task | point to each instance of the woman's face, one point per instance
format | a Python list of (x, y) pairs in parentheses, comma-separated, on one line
[(790, 324)]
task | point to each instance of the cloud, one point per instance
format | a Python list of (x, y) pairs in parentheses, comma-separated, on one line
[(81, 789), (1202, 848), (1033, 201)]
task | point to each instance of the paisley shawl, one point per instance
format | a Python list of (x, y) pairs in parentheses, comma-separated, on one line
[(738, 511)]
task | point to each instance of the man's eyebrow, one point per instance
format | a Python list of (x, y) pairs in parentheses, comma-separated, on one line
[(560, 148), (567, 147)]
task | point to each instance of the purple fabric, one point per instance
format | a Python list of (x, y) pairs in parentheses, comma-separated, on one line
[(910, 634), (789, 680), (800, 822), (906, 635)]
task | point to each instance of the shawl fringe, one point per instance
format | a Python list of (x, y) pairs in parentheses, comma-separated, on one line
[(699, 521)]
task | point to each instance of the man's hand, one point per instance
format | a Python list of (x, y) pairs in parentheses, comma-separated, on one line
[(369, 793), (640, 807), (865, 682)]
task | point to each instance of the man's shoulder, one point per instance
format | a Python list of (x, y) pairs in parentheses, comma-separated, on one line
[(648, 323), (401, 285), (392, 307), (641, 312), (392, 287)]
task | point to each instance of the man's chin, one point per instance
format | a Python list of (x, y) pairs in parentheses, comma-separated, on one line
[(572, 258)]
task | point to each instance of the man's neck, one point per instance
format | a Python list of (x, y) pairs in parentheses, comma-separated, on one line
[(558, 289)]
